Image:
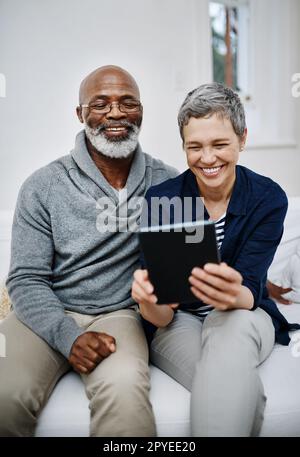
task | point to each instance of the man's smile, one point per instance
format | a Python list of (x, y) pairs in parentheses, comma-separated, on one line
[(115, 132)]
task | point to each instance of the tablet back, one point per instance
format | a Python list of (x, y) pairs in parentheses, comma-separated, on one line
[(169, 259)]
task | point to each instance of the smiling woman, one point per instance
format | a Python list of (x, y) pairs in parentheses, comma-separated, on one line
[(213, 134), (214, 346), (212, 149)]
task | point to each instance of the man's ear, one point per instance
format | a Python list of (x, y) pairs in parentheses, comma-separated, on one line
[(79, 113)]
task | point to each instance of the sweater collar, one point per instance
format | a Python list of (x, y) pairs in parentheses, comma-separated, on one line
[(84, 161)]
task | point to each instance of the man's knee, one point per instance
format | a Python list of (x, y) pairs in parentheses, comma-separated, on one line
[(119, 400), (16, 417), (127, 379)]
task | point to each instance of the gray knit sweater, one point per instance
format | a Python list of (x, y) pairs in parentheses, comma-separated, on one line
[(59, 259)]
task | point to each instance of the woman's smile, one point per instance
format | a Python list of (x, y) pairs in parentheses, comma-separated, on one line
[(212, 172)]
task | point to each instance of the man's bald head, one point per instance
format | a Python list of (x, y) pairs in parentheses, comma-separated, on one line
[(107, 77)]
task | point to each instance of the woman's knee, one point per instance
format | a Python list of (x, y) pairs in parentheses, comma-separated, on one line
[(231, 320), (230, 330)]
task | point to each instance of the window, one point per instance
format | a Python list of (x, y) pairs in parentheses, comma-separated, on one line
[(230, 43)]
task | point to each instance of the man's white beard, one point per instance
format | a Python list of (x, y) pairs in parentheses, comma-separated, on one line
[(115, 149)]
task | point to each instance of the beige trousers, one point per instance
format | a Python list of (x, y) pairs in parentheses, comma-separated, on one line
[(118, 388)]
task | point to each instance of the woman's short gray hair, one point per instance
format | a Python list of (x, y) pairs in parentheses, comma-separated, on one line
[(209, 99)]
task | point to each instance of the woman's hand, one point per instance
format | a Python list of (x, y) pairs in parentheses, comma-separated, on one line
[(142, 289), (220, 286), (143, 294)]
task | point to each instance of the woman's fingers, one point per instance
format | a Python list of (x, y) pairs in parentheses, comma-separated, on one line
[(140, 294), (221, 305), (222, 270), (216, 284), (224, 285), (142, 278), (211, 293)]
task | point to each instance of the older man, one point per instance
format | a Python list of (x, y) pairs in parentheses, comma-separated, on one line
[(70, 274)]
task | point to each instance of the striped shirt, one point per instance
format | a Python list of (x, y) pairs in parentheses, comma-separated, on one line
[(220, 224), (204, 310)]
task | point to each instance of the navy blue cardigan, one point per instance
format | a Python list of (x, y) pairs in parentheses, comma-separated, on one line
[(253, 230)]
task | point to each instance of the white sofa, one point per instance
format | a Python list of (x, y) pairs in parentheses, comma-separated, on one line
[(67, 412)]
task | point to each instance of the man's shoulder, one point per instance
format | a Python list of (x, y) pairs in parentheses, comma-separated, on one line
[(159, 167), (44, 175), (37, 186)]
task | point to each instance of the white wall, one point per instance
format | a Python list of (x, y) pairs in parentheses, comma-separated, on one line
[(47, 47), (296, 66)]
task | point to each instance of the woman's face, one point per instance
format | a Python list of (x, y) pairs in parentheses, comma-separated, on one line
[(212, 148)]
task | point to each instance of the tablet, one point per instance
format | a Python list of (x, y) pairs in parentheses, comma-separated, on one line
[(170, 253)]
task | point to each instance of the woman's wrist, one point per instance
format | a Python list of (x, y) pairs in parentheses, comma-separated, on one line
[(158, 315), (245, 299)]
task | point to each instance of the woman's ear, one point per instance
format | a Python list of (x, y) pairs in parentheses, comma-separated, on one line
[(243, 139)]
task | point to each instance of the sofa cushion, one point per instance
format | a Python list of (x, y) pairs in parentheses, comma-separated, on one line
[(289, 277)]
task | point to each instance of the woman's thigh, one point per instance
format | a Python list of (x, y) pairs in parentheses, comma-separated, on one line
[(176, 348)]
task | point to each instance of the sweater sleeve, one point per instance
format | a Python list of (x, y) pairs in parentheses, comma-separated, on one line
[(258, 252), (29, 281)]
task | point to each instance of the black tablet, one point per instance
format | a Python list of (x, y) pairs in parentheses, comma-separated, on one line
[(172, 251)]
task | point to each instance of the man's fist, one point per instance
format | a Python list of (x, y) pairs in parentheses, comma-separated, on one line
[(89, 350)]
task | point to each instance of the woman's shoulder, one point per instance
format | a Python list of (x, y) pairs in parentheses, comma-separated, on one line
[(261, 186)]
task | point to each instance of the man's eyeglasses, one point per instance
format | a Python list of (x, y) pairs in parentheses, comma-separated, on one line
[(126, 106)]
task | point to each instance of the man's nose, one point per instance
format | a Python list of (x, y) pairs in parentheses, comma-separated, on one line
[(115, 112)]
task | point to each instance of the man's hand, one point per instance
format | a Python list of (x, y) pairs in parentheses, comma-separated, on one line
[(276, 292), (89, 350)]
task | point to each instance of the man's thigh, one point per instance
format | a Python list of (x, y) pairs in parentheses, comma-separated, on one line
[(125, 372), (131, 345), (118, 388), (176, 348), (30, 368)]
